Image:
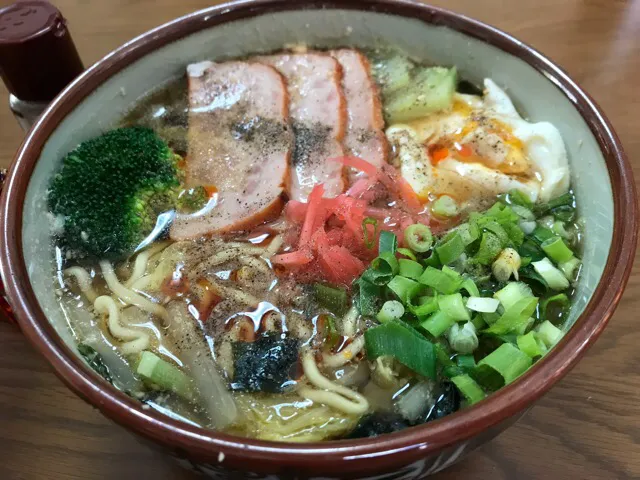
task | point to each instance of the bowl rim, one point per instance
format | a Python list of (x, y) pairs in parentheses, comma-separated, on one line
[(341, 456)]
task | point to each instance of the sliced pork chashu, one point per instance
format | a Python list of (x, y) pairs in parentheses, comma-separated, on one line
[(318, 116), (240, 143), (364, 136)]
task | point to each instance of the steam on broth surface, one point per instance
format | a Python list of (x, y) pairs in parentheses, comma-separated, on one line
[(316, 245)]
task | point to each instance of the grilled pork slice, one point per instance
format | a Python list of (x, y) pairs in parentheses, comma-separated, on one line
[(364, 137), (240, 143), (318, 116)]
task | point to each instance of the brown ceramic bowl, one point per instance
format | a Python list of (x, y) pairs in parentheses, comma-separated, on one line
[(540, 89)]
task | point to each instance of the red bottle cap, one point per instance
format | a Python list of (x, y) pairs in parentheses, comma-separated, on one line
[(37, 55)]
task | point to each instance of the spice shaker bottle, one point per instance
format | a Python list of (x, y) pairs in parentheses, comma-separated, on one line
[(37, 57)]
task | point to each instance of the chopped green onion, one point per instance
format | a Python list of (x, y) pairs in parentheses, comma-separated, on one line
[(549, 334), (391, 310), (564, 213), (369, 298), (438, 323), (407, 253), (427, 306), (418, 237), (540, 234), (410, 268), (382, 269), (507, 361), (470, 287), (527, 226), (367, 237), (490, 247), (388, 242), (516, 197), (463, 339), (523, 212), (469, 389), (566, 200), (332, 337), (469, 233), (569, 268), (512, 293), (445, 206), (557, 250), (498, 230), (466, 361), (454, 307), (333, 299), (530, 345), (451, 249), (482, 304), (554, 277), (547, 222), (515, 318), (531, 249), (478, 322), (515, 233), (490, 318), (560, 298), (404, 344), (559, 228), (441, 280), (507, 264), (404, 288), (165, 375)]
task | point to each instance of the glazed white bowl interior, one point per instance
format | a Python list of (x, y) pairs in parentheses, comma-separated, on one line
[(533, 94)]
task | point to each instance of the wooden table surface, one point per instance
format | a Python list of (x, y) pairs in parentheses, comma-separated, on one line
[(587, 427)]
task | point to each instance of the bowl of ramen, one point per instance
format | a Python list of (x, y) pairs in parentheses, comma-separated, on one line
[(318, 240)]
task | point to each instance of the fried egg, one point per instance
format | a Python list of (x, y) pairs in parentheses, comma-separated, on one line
[(480, 148)]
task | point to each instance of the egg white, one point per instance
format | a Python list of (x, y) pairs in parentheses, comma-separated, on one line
[(540, 147)]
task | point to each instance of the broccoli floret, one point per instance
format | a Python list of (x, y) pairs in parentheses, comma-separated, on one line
[(111, 190)]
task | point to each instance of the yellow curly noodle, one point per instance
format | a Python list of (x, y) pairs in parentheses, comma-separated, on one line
[(327, 392), (135, 341), (287, 418), (345, 355), (84, 281)]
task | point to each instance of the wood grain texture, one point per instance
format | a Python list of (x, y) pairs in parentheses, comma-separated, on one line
[(587, 427)]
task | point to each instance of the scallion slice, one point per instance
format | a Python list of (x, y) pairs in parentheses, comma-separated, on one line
[(407, 253), (515, 317), (438, 323), (404, 344), (470, 287), (382, 269), (454, 307), (466, 361), (388, 242), (463, 338), (569, 268), (451, 248), (549, 333), (165, 375), (333, 299), (557, 250), (513, 292), (410, 268), (468, 232), (490, 247), (482, 304), (391, 310), (368, 237), (369, 298), (554, 277), (508, 361), (445, 206), (404, 288), (531, 345), (418, 237), (426, 306), (441, 280), (469, 389)]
